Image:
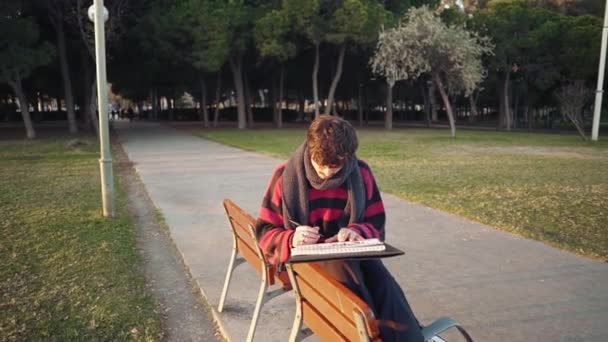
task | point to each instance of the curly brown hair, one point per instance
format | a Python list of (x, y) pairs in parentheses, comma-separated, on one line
[(331, 141)]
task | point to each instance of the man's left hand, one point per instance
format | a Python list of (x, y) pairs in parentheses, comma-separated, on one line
[(345, 234)]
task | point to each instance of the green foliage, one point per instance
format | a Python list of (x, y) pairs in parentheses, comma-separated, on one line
[(20, 49), (206, 23), (580, 46), (67, 273), (551, 188), (511, 26), (348, 22), (306, 18), (542, 47), (272, 36), (357, 22), (422, 43), (337, 22)]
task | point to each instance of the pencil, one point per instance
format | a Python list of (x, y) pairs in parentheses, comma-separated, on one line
[(297, 224)]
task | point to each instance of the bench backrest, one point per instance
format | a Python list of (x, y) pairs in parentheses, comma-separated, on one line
[(329, 309), (243, 230)]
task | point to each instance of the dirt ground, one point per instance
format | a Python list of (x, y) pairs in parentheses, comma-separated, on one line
[(184, 314)]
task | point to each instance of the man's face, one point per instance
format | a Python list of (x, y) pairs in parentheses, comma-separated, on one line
[(323, 171)]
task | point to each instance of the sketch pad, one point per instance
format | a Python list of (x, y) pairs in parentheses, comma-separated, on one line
[(366, 249)]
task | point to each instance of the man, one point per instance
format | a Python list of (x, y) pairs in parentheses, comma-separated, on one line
[(323, 193)]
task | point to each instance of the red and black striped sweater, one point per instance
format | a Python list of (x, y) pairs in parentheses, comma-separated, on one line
[(326, 207)]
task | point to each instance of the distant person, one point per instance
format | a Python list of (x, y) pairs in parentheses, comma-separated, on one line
[(324, 193), (130, 114)]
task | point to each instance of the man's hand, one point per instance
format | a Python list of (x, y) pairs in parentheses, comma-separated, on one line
[(345, 234), (305, 235)]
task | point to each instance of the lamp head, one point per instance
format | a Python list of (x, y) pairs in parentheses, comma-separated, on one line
[(91, 13)]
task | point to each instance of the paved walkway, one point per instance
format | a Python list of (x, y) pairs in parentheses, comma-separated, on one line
[(501, 287)]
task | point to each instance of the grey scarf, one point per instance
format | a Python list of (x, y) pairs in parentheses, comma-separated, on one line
[(299, 172)]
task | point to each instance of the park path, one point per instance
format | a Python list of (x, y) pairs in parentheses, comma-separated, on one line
[(500, 286)]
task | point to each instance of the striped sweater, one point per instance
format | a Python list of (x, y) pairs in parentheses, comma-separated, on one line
[(326, 207)]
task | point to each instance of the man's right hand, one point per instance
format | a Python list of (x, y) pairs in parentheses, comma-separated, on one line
[(305, 235)]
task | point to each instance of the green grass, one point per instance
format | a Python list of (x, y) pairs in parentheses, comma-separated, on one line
[(553, 188), (66, 272)]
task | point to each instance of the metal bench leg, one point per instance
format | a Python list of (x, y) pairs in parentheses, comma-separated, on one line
[(361, 329), (258, 307), (441, 325), (296, 333), (231, 267)]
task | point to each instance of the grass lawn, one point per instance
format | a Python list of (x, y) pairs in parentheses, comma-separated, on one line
[(66, 273), (552, 188)]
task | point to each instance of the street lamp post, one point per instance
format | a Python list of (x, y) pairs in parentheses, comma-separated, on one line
[(99, 14), (597, 108)]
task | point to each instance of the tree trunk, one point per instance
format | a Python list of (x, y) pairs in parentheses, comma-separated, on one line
[(85, 108), (203, 110), (577, 124), (272, 98), (36, 115), (315, 85), (23, 107), (507, 104), (433, 102), (237, 74), (501, 106), (280, 111), (515, 109), (388, 120), (334, 82), (427, 104), (300, 106), (446, 102), (170, 103), (360, 105), (154, 104), (93, 105), (248, 100), (218, 93), (65, 75), (474, 113)]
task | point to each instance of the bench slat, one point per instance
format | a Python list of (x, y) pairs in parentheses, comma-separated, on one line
[(341, 320), (326, 293), (249, 255), (243, 231), (319, 325), (242, 225)]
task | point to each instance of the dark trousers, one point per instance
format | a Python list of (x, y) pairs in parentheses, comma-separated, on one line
[(373, 283)]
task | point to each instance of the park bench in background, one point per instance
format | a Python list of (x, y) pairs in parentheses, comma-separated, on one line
[(246, 246), (335, 313)]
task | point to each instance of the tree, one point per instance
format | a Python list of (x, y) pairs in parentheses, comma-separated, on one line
[(272, 38), (56, 9), (347, 23), (420, 44), (238, 17), (20, 53), (571, 99), (354, 23), (308, 20), (512, 26), (209, 35)]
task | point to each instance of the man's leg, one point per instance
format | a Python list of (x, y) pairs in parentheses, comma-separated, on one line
[(398, 322), (372, 282)]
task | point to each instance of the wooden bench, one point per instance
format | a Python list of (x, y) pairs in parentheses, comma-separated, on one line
[(335, 313), (246, 248)]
